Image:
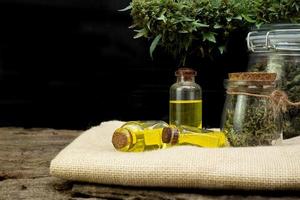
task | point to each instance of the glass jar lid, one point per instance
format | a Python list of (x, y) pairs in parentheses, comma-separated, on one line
[(252, 76), (274, 37)]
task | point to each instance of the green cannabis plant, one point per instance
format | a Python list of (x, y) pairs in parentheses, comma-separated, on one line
[(201, 27)]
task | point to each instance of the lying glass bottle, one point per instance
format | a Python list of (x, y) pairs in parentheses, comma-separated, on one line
[(137, 136)]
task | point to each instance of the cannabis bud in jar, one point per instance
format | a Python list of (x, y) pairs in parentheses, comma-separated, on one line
[(275, 48), (252, 115)]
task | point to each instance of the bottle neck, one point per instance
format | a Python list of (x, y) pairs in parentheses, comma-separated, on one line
[(185, 79)]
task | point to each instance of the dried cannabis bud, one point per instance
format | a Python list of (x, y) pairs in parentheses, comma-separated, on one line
[(251, 116), (288, 81), (255, 125)]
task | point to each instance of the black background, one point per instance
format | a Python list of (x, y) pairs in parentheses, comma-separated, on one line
[(74, 63)]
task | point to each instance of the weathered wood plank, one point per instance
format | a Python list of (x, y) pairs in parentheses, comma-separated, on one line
[(25, 156), (27, 153), (39, 188), (128, 193)]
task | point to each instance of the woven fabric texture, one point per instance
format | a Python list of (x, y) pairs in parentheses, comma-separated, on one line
[(92, 158)]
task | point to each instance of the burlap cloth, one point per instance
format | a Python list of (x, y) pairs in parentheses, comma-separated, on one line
[(92, 158)]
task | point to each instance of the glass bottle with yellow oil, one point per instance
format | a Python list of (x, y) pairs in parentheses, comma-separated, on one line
[(185, 99), (137, 136), (187, 135)]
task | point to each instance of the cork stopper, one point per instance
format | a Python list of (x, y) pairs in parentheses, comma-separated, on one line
[(121, 139), (166, 135), (170, 135), (185, 71), (252, 76)]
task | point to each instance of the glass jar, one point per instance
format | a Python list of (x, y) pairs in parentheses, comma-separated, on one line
[(276, 48), (249, 114), (185, 99)]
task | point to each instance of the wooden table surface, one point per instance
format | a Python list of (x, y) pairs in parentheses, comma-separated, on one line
[(25, 156)]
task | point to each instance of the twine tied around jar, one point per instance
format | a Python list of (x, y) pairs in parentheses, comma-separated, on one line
[(279, 99)]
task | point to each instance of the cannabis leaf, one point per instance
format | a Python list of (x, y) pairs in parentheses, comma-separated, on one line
[(185, 27)]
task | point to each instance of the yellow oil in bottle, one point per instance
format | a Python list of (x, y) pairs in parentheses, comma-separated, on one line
[(186, 135), (186, 112), (214, 139)]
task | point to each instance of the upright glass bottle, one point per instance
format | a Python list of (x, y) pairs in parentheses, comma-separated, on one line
[(185, 100), (137, 136)]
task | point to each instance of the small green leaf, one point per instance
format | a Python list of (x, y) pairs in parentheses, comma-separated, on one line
[(183, 32), (239, 17), (186, 19), (221, 49), (197, 24), (132, 26), (125, 9), (258, 25), (154, 44), (248, 19), (210, 36), (272, 9), (162, 17), (297, 7), (228, 19), (217, 26), (141, 33), (148, 25)]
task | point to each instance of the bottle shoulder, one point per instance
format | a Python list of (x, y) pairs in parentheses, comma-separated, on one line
[(191, 85), (183, 91)]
